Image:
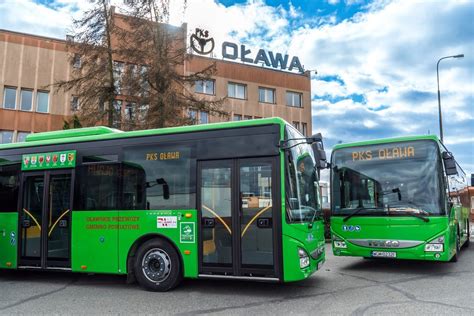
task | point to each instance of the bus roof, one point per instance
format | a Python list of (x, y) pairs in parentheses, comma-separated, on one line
[(104, 133), (387, 140)]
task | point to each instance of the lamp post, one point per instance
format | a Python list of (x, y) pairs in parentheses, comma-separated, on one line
[(439, 95)]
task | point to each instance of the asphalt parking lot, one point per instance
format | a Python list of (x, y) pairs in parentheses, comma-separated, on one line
[(345, 286)]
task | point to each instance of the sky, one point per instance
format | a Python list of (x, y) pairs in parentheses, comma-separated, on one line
[(375, 60)]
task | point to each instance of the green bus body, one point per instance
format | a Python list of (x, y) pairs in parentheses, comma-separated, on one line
[(81, 238), (427, 215)]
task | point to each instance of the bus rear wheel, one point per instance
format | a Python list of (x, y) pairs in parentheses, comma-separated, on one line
[(157, 266)]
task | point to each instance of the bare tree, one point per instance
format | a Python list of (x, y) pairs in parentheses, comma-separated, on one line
[(156, 81), (91, 54)]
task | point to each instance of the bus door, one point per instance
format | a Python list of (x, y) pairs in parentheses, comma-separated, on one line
[(238, 218), (45, 219)]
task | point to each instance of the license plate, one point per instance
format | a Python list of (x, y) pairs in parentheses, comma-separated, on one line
[(384, 254)]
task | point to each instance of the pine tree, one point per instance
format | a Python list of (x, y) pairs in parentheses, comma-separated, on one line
[(91, 56), (156, 79)]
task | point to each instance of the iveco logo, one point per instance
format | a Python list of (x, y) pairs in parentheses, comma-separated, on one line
[(384, 243)]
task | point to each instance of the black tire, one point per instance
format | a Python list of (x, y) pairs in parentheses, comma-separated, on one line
[(157, 266), (458, 247)]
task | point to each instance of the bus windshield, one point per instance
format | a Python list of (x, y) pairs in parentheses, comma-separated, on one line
[(302, 187), (388, 179)]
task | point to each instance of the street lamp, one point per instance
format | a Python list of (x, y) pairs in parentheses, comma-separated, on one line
[(439, 95)]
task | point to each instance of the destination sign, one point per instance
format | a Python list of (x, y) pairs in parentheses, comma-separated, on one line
[(169, 155), (52, 160), (385, 153)]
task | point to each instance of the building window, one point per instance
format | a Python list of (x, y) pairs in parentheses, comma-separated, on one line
[(294, 99), (205, 86), (266, 95), (21, 136), (296, 125), (118, 75), (237, 91), (76, 61), (6, 137), (237, 117), (26, 99), (117, 115), (204, 117), (42, 101), (247, 117), (192, 115), (129, 111), (144, 85), (74, 103), (142, 112), (304, 129), (9, 98)]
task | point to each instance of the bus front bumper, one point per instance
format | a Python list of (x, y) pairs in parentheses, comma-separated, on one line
[(343, 247)]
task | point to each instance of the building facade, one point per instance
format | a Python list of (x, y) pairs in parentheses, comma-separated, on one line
[(31, 64)]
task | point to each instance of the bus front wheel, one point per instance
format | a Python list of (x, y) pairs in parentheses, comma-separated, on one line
[(468, 228), (458, 246), (157, 266)]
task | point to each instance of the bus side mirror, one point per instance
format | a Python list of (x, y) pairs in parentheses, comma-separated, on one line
[(449, 164), (318, 150), (166, 188)]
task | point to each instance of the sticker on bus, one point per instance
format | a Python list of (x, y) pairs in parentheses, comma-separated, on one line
[(167, 221), (186, 232)]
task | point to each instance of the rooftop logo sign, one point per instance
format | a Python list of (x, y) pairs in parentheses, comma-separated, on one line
[(202, 44)]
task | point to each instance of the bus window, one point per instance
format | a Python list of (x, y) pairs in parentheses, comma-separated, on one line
[(134, 186), (9, 183), (168, 180), (97, 187)]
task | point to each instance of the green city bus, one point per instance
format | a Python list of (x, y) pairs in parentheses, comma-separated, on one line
[(227, 200), (391, 199)]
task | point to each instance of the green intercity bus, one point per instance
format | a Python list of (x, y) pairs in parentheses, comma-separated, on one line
[(227, 200), (391, 199)]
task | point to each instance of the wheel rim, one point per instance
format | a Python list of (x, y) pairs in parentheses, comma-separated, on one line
[(156, 265)]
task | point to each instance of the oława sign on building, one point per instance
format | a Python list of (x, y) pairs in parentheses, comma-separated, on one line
[(203, 44), (52, 160)]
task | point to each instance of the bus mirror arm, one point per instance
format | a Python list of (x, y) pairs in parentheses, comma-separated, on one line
[(166, 188)]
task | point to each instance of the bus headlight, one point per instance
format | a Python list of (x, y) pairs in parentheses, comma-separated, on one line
[(340, 244), (434, 247), (304, 258)]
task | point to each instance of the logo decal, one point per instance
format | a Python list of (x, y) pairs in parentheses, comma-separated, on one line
[(186, 232), (12, 238), (351, 228), (201, 43)]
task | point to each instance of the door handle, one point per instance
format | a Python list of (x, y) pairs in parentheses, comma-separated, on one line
[(208, 222), (265, 222)]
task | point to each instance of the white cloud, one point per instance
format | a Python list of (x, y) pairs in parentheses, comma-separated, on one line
[(387, 55)]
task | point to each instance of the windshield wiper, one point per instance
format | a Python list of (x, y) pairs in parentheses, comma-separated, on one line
[(356, 211), (417, 215)]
